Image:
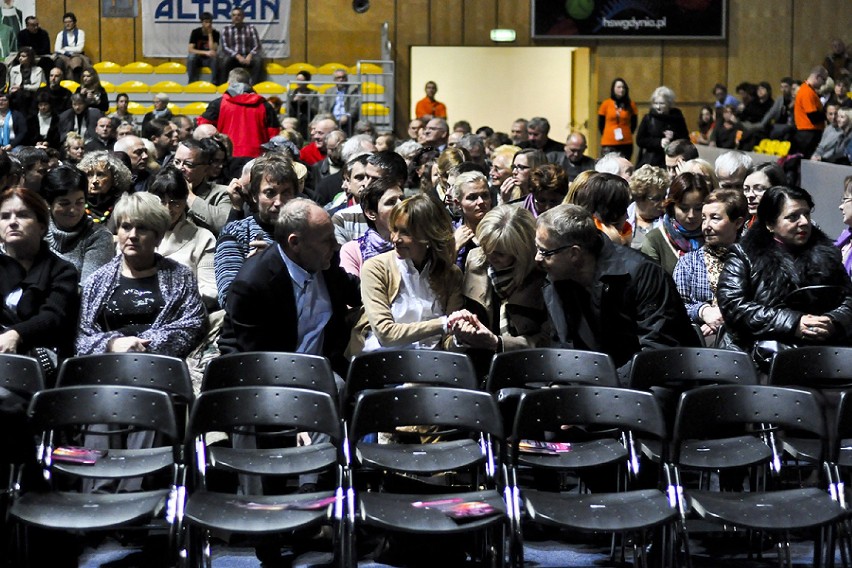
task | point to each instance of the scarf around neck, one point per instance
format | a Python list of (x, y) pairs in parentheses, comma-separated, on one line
[(682, 240), (372, 244)]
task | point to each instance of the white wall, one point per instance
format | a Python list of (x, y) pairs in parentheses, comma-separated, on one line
[(495, 85)]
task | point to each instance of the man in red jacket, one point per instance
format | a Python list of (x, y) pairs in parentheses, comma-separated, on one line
[(247, 118)]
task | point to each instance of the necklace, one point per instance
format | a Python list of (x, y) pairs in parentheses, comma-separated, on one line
[(98, 219)]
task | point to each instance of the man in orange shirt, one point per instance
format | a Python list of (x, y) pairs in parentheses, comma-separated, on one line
[(809, 113), (428, 107)]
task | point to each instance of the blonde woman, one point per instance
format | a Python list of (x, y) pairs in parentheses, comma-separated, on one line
[(502, 287), (648, 187), (409, 292)]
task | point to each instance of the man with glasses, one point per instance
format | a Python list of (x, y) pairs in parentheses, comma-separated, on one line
[(435, 134), (604, 297), (134, 148), (208, 203), (69, 46), (573, 159)]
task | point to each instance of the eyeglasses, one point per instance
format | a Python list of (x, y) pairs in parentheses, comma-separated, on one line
[(547, 253), (520, 167), (754, 188), (189, 165)]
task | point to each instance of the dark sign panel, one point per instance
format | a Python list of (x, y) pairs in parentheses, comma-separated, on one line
[(633, 19)]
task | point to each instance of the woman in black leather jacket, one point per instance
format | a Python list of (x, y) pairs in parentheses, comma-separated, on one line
[(782, 252)]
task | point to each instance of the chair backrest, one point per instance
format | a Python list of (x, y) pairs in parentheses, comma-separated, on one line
[(688, 367), (148, 370), (819, 367), (544, 410), (21, 374), (254, 369), (708, 411), (265, 406), (385, 368), (386, 409), (143, 408), (551, 366), (843, 423)]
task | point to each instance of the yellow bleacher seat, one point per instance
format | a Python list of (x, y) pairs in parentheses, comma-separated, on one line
[(371, 88), (326, 88), (195, 108), (368, 68), (170, 68), (330, 68), (222, 88), (273, 68), (783, 148), (107, 68), (132, 87), (200, 87), (269, 88), (166, 87), (70, 85), (762, 147), (294, 68), (138, 67), (108, 87), (136, 108), (374, 109)]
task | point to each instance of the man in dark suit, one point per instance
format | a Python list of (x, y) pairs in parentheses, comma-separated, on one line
[(293, 296)]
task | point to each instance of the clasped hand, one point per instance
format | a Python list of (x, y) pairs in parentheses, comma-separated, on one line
[(470, 332)]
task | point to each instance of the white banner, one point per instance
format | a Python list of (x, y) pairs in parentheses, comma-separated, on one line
[(167, 24)]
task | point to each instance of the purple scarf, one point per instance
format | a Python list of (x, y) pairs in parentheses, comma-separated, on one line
[(841, 242), (371, 244)]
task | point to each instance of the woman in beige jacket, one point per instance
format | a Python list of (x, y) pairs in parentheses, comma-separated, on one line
[(410, 294)]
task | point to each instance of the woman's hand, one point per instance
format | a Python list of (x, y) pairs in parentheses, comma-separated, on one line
[(236, 193), (712, 316), (462, 235), (128, 345), (9, 341), (475, 334), (458, 316), (256, 247), (815, 328), (506, 189)]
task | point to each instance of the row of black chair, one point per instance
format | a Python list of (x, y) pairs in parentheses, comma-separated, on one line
[(464, 473)]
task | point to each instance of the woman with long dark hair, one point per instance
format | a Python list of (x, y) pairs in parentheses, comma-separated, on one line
[(617, 117)]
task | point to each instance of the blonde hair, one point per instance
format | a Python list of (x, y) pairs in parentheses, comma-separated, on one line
[(702, 168), (579, 183), (506, 150), (511, 230), (647, 179), (143, 208)]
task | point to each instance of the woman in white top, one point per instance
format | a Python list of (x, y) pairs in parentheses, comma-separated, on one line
[(409, 292), (69, 46), (24, 80)]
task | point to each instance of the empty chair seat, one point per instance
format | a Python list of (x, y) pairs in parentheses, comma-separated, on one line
[(196, 108), (170, 68), (368, 68), (138, 68), (269, 88), (295, 68), (371, 88), (330, 68), (273, 68), (166, 87), (200, 87), (374, 109), (107, 68), (108, 87), (132, 87), (70, 85)]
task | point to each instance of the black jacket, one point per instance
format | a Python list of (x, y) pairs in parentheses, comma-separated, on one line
[(260, 314), (46, 315), (758, 276), (649, 137)]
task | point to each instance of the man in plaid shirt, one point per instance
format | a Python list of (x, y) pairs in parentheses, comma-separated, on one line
[(241, 47)]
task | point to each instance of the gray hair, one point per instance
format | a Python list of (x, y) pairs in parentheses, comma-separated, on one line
[(122, 179), (295, 218), (469, 141), (467, 178), (539, 123), (238, 75), (355, 146), (663, 93), (408, 149), (732, 161), (571, 224), (145, 209), (609, 164)]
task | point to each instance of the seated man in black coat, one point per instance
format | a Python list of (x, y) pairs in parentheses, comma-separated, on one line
[(604, 297), (293, 297)]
